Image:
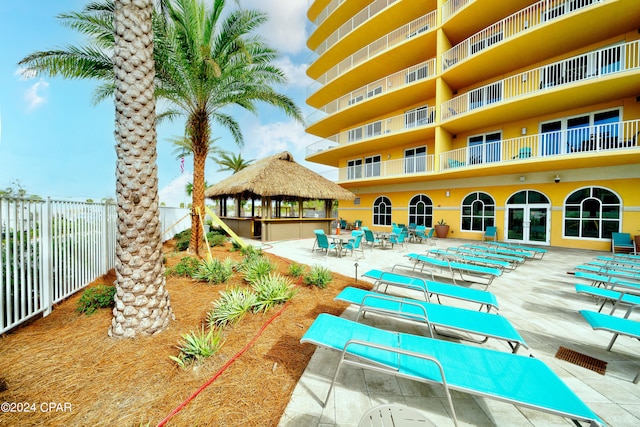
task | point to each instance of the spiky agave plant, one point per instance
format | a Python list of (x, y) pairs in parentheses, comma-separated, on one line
[(213, 270), (232, 305), (271, 290), (197, 346)]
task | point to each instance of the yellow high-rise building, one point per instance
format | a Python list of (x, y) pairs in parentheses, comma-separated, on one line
[(519, 114)]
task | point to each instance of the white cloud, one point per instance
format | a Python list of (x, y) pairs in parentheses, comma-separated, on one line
[(174, 193), (33, 95), (296, 73), (25, 73), (286, 28)]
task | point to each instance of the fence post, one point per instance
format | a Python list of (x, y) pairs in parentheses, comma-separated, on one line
[(46, 241)]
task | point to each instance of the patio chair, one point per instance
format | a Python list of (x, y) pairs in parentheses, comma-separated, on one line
[(357, 224), (517, 379), (614, 324), (470, 322), (468, 272), (608, 295), (370, 239), (490, 233), (356, 243), (523, 153), (397, 237), (420, 232), (532, 250), (323, 244), (315, 242), (622, 241), (429, 288), (343, 224)]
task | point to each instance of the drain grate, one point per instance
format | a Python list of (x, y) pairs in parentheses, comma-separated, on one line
[(583, 360)]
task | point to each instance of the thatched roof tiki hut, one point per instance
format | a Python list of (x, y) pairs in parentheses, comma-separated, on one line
[(282, 186)]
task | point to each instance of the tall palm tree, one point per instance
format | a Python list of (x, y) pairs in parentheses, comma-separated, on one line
[(206, 62), (142, 301), (232, 162)]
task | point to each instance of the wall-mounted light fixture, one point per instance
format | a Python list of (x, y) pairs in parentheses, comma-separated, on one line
[(522, 178), (524, 131), (556, 179), (388, 156), (447, 193)]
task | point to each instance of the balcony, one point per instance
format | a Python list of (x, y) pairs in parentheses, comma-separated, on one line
[(423, 25), (394, 82), (599, 64), (361, 17), (322, 16), (407, 167), (374, 134), (571, 143), (534, 15)]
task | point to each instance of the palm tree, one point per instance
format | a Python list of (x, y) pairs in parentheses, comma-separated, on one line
[(232, 162), (142, 301), (206, 62)]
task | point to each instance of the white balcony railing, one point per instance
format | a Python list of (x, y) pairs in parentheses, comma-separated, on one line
[(591, 65), (413, 119), (536, 14), (412, 29), (390, 168), (451, 7), (357, 20), (588, 139), (322, 16), (392, 82)]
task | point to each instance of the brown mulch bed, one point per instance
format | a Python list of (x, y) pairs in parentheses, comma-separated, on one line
[(67, 359)]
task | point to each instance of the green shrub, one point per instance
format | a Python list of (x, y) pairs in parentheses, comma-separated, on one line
[(182, 240), (187, 267), (216, 239), (196, 346), (296, 270), (318, 276), (271, 290), (214, 271), (232, 305), (101, 296)]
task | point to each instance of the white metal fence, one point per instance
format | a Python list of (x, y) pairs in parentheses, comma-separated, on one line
[(50, 249)]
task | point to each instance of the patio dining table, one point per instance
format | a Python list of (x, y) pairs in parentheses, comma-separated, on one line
[(340, 240)]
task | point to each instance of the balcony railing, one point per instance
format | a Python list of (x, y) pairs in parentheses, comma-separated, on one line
[(414, 119), (451, 7), (392, 82), (412, 29), (333, 5), (610, 60), (536, 14), (587, 139), (390, 168), (358, 19)]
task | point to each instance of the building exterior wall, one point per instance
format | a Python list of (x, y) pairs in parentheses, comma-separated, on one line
[(453, 98)]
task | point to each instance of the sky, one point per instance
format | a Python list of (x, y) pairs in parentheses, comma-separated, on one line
[(56, 143)]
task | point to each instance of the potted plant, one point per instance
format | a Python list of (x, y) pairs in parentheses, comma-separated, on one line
[(442, 229)]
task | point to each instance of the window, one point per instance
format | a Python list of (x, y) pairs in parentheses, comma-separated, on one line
[(478, 212), (355, 134), (421, 210), (372, 166), (354, 169), (417, 74), (382, 211), (373, 129), (416, 117), (593, 131), (485, 148), (485, 95), (415, 160), (356, 99), (592, 212)]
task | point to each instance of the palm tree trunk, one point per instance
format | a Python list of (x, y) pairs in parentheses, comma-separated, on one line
[(200, 133), (142, 300)]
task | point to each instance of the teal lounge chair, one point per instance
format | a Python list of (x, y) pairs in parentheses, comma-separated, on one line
[(464, 320), (512, 378), (473, 250), (468, 272), (532, 251), (478, 260), (431, 287), (499, 248), (622, 241), (609, 295)]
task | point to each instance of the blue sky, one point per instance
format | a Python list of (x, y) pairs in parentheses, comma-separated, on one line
[(58, 144)]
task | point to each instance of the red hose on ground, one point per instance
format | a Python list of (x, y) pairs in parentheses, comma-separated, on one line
[(221, 370)]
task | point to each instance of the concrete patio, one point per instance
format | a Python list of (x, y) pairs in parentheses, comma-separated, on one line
[(538, 298)]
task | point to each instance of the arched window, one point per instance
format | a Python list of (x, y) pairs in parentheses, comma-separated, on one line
[(592, 212), (478, 212), (382, 211), (421, 210)]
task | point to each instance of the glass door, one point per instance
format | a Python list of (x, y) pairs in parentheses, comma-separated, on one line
[(528, 224)]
